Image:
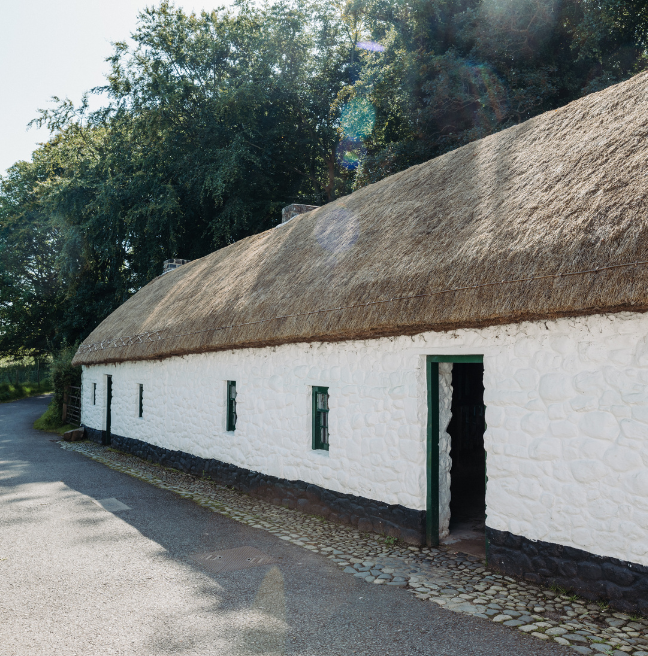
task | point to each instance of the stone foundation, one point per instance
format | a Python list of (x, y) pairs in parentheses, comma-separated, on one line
[(94, 435), (366, 514), (623, 584)]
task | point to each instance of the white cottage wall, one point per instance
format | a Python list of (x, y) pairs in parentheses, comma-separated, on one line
[(567, 417), (377, 415)]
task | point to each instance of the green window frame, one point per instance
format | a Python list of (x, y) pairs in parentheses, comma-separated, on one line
[(140, 407), (231, 405), (321, 418)]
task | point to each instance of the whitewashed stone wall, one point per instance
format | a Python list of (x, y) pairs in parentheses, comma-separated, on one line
[(377, 414), (445, 442), (567, 416)]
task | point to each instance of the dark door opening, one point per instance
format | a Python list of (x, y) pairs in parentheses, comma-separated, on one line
[(468, 473), (107, 436)]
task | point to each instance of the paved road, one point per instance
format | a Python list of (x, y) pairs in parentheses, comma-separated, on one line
[(77, 579)]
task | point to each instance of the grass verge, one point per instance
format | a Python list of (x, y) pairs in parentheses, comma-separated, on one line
[(50, 421), (12, 392)]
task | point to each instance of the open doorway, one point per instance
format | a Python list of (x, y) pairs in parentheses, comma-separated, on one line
[(468, 472)]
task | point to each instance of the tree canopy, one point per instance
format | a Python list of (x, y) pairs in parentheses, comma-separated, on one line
[(214, 122)]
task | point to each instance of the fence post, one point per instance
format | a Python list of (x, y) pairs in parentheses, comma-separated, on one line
[(65, 400)]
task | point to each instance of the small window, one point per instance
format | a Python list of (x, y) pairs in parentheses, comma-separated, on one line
[(94, 393), (320, 418), (140, 405), (231, 405)]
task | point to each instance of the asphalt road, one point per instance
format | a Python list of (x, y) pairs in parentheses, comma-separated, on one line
[(76, 579)]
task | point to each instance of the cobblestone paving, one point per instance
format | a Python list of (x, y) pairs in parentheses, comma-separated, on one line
[(456, 581)]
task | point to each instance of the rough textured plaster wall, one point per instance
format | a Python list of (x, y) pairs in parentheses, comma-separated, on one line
[(445, 462), (377, 413), (91, 415), (567, 417), (567, 436)]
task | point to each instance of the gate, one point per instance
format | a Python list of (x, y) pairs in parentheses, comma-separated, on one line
[(72, 405)]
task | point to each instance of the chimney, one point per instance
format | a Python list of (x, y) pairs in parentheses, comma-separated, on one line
[(293, 210), (170, 265)]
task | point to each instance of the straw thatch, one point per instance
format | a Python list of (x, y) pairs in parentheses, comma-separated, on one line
[(563, 192)]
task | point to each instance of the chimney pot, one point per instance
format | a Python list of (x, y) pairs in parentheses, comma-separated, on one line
[(293, 210), (170, 265)]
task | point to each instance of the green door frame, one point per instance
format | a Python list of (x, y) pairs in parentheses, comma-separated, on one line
[(432, 503)]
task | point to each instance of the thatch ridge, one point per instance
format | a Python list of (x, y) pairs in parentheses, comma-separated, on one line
[(562, 193)]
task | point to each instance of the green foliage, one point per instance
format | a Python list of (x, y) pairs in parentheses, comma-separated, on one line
[(30, 292), (9, 392), (25, 370), (456, 71), (63, 374), (217, 120), (50, 420)]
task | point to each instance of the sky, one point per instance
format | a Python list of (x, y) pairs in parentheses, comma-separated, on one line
[(57, 48)]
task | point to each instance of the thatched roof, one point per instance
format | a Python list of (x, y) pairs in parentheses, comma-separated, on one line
[(564, 192)]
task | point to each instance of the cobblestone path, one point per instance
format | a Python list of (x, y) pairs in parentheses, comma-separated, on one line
[(456, 581)]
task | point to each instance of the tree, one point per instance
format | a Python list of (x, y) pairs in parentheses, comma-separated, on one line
[(30, 297), (217, 121), (455, 71)]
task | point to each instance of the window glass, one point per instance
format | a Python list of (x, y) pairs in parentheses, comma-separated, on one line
[(322, 400), (320, 418), (231, 405)]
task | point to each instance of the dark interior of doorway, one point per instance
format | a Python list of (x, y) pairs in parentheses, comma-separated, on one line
[(468, 472)]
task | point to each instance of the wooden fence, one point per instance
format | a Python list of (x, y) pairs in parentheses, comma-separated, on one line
[(72, 405)]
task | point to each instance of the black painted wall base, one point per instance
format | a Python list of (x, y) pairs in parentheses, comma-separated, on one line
[(367, 514), (622, 583), (95, 435)]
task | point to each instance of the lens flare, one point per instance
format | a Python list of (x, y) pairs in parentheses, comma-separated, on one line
[(338, 232), (488, 87), (350, 153), (466, 96), (372, 46), (357, 119)]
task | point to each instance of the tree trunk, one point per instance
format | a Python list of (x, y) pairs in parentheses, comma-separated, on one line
[(330, 187)]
